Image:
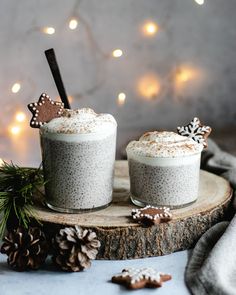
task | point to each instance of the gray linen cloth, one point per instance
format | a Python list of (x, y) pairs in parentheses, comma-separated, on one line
[(211, 269)]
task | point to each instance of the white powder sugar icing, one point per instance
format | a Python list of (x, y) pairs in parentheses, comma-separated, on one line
[(79, 121), (163, 144)]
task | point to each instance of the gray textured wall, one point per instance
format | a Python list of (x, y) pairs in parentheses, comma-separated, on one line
[(200, 38)]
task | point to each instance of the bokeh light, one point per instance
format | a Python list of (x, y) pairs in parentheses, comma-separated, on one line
[(15, 130), (73, 23), (183, 75), (200, 2), (149, 86), (150, 28), (20, 117), (49, 30), (121, 98), (16, 87), (117, 53)]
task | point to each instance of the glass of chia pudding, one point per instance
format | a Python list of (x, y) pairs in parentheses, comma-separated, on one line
[(78, 151), (164, 169)]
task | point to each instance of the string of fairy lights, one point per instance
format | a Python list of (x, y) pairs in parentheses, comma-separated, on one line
[(149, 86)]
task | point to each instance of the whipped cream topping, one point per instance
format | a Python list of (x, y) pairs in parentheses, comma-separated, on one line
[(81, 121), (163, 144)]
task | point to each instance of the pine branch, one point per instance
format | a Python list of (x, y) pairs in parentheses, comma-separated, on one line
[(18, 186)]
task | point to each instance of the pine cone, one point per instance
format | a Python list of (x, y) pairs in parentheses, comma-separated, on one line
[(26, 248), (74, 247)]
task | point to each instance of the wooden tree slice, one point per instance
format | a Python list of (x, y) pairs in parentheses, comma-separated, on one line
[(122, 238)]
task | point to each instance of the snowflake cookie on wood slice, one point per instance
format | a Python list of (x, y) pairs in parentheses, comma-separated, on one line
[(44, 110), (137, 278), (196, 130), (152, 215)]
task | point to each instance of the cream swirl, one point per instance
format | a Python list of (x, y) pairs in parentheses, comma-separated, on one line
[(81, 121), (163, 144)]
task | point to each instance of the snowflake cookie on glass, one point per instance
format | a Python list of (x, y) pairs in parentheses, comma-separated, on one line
[(137, 278), (152, 215), (196, 130)]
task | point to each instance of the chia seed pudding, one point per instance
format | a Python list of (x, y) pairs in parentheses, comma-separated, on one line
[(78, 151), (164, 169)]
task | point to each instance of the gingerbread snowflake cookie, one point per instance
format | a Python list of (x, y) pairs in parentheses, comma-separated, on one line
[(152, 215), (196, 131), (44, 110), (139, 278)]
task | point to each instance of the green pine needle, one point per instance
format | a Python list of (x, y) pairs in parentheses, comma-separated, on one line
[(18, 186)]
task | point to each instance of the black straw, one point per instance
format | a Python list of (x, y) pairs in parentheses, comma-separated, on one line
[(52, 61)]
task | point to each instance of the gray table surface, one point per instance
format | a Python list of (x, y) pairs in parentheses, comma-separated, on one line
[(95, 280)]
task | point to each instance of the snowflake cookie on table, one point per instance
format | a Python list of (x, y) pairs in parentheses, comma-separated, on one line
[(196, 130), (152, 215), (137, 278)]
